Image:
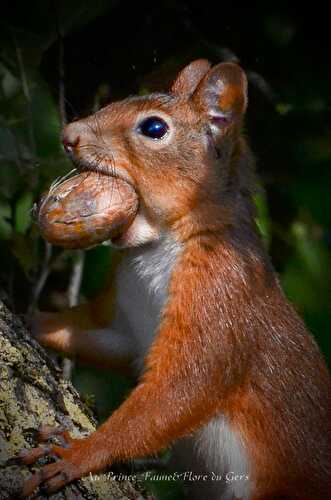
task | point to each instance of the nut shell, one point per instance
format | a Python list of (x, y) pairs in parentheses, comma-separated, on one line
[(87, 209)]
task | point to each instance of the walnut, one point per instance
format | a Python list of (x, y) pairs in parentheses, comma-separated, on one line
[(86, 209)]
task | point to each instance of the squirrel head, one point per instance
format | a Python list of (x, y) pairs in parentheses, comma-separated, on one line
[(176, 149)]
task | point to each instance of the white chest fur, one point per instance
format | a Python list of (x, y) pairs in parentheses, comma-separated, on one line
[(143, 290)]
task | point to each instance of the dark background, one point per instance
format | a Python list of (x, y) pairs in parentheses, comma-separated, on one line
[(94, 52)]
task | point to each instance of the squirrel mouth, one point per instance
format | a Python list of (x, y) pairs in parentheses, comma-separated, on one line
[(103, 168)]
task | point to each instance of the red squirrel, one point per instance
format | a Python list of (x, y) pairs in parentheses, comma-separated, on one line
[(228, 373)]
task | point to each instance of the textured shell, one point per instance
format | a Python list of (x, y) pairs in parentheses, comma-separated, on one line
[(86, 209)]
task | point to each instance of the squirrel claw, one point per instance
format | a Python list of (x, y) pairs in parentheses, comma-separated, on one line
[(46, 432), (67, 467), (50, 478)]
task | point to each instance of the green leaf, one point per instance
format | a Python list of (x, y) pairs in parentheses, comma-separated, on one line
[(96, 269), (45, 120), (262, 220), (311, 251), (23, 213), (307, 275), (10, 85), (23, 249), (5, 225), (283, 108)]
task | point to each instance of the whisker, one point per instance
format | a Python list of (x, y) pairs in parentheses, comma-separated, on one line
[(60, 179), (87, 146)]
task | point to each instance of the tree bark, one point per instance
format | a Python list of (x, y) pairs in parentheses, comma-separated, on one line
[(33, 392)]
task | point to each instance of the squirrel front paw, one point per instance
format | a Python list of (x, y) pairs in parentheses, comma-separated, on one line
[(72, 461), (50, 331)]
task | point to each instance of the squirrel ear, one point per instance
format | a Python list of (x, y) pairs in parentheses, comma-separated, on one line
[(189, 77), (222, 96)]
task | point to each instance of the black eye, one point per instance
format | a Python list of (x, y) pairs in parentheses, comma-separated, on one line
[(153, 127)]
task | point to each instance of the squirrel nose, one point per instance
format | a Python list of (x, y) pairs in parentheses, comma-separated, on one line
[(70, 139)]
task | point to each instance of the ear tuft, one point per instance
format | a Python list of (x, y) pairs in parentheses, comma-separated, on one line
[(222, 95), (189, 77)]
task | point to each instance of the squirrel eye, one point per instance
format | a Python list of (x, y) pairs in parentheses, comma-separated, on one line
[(153, 127)]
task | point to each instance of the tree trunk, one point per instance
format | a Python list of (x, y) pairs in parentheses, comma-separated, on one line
[(33, 392)]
